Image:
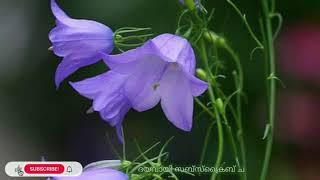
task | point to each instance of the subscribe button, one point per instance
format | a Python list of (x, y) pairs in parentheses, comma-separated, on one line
[(43, 169)]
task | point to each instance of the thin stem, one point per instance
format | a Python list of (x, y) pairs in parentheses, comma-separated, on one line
[(123, 145), (204, 56), (206, 142), (204, 107), (244, 19), (272, 86), (239, 84), (238, 116), (232, 141)]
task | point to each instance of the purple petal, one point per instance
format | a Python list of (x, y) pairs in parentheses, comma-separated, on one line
[(125, 62), (92, 87), (115, 111), (58, 12), (142, 86), (97, 174), (118, 118), (176, 97), (176, 49), (69, 65), (103, 89), (106, 90), (197, 86), (87, 48)]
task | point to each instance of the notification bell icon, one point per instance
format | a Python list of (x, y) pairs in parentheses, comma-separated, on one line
[(69, 169)]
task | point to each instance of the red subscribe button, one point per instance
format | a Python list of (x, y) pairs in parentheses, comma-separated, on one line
[(44, 168)]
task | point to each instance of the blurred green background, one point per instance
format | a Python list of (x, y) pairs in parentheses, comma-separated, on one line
[(36, 120)]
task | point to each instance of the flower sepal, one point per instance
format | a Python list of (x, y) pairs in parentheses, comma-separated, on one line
[(131, 37)]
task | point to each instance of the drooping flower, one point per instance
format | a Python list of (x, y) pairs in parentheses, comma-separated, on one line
[(78, 41), (97, 174), (160, 70), (108, 98)]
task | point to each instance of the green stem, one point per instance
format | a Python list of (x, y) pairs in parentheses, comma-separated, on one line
[(232, 141), (204, 57), (206, 142), (204, 107), (238, 115), (272, 88), (239, 83), (123, 145), (244, 19)]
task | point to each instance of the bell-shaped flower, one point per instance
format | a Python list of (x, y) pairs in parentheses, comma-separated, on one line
[(160, 70), (97, 174), (78, 42), (108, 98)]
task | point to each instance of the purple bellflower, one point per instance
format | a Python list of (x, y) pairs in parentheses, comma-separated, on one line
[(97, 174), (160, 70), (78, 41)]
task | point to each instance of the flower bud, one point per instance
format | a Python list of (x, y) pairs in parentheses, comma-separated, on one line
[(191, 4), (220, 105), (214, 38), (201, 74)]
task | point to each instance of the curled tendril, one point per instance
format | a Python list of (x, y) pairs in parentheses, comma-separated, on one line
[(280, 22), (244, 19), (273, 76), (253, 51)]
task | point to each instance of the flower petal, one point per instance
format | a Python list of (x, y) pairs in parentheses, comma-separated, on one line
[(65, 21), (115, 111), (176, 97), (69, 65), (85, 30), (197, 86), (127, 61), (141, 88), (82, 47), (58, 12), (92, 87), (176, 49), (117, 119), (103, 89)]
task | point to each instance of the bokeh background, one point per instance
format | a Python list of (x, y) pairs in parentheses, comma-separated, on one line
[(38, 121)]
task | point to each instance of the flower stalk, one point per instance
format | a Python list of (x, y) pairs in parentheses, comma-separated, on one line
[(271, 83), (204, 58)]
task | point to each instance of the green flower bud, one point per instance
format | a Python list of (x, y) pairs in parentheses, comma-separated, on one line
[(214, 38), (202, 74), (190, 4), (220, 105)]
